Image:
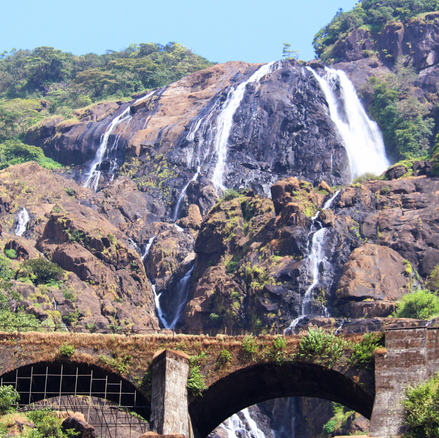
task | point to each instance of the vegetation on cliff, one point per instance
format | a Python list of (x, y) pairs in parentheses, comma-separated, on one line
[(405, 120), (63, 81), (368, 14)]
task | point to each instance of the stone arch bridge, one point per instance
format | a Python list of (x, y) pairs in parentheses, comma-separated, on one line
[(149, 374)]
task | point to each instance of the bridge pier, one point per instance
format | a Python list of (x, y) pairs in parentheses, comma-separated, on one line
[(169, 398), (412, 357)]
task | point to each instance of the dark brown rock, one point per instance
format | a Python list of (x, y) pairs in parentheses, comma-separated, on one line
[(84, 429)]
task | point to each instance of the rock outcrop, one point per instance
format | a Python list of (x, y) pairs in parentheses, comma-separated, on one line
[(169, 140)]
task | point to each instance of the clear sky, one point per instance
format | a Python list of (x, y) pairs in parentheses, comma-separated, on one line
[(219, 30)]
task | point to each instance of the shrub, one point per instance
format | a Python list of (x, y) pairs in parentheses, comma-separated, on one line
[(420, 304), (277, 352), (433, 279), (249, 346), (10, 253), (365, 177), (9, 398), (42, 271), (224, 357), (5, 272), (364, 351), (196, 384), (321, 347), (421, 410), (67, 350), (230, 194)]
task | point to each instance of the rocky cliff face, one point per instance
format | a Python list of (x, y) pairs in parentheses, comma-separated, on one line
[(281, 127), (276, 253), (415, 41), (105, 284), (254, 254)]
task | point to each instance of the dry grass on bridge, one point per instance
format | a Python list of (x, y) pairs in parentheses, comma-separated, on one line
[(130, 356)]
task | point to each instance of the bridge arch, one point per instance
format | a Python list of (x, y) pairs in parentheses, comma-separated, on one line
[(46, 380), (260, 382)]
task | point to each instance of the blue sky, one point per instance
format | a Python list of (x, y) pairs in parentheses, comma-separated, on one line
[(220, 30)]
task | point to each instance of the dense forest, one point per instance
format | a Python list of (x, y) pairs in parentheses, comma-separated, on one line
[(38, 83)]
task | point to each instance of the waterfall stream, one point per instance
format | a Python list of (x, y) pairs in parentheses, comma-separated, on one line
[(94, 174), (361, 136), (315, 258), (247, 428), (225, 122), (22, 221), (210, 137)]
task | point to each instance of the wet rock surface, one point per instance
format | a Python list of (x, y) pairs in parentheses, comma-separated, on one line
[(281, 126)]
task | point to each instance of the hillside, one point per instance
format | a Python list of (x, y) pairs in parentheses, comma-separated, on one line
[(150, 189)]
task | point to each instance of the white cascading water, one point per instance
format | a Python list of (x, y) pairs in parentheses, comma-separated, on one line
[(95, 174), (315, 258), (22, 221), (361, 136), (182, 296), (213, 135), (183, 194), (235, 427), (160, 314), (225, 122), (147, 247)]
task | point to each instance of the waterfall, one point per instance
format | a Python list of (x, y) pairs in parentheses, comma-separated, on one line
[(182, 195), (361, 136), (160, 314), (22, 221), (247, 428), (147, 247), (315, 258), (94, 174), (182, 296), (225, 122)]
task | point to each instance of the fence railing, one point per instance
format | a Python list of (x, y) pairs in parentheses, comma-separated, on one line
[(59, 328)]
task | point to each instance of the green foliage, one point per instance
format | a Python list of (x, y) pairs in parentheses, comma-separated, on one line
[(249, 346), (363, 353), (9, 398), (371, 14), (420, 304), (321, 347), (67, 81), (339, 420), (118, 363), (147, 383), (215, 318), (15, 152), (42, 271), (5, 271), (10, 253), (47, 425), (329, 427), (230, 194), (433, 279), (403, 119), (287, 53), (67, 350), (277, 352), (421, 410), (367, 176), (224, 357), (196, 384)]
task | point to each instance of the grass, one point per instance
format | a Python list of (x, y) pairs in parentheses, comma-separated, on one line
[(26, 348)]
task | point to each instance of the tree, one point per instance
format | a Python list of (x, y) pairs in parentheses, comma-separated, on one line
[(18, 115), (287, 53)]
